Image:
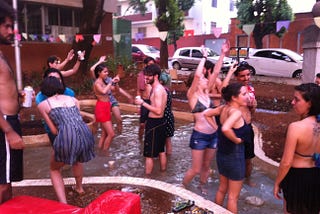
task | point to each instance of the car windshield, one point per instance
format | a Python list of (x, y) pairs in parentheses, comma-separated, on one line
[(296, 56), (212, 53), (151, 49)]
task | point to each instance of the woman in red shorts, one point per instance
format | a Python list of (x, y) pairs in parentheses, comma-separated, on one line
[(103, 106)]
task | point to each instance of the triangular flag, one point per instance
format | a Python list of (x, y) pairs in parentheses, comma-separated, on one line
[(62, 37), (97, 37), (51, 39), (25, 36), (79, 37), (248, 28), (33, 37), (45, 37), (18, 37), (284, 24), (163, 35), (217, 31), (117, 37), (139, 36), (108, 38)]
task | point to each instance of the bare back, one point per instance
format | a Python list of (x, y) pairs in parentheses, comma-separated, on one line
[(306, 134), (9, 104)]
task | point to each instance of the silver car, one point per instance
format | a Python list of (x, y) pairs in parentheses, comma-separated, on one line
[(276, 62), (189, 57)]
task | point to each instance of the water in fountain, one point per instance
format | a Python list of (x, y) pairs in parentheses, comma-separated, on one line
[(125, 158)]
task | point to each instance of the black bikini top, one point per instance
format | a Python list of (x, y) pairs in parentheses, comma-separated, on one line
[(199, 107)]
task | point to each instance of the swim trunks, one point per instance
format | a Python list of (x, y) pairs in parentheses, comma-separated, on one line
[(155, 137), (103, 111), (11, 160)]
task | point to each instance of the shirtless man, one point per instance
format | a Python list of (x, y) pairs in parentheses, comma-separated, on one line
[(11, 144), (155, 137), (143, 90)]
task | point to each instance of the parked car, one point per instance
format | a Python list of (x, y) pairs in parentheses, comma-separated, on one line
[(276, 62), (189, 57), (139, 52)]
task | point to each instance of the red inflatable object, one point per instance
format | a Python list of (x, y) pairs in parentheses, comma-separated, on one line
[(111, 202)]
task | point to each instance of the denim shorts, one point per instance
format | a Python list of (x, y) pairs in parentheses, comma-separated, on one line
[(201, 141)]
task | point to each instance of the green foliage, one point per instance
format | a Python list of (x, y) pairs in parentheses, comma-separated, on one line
[(170, 17), (138, 5), (264, 14), (185, 5)]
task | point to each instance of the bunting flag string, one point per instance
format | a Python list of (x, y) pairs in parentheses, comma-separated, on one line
[(96, 38)]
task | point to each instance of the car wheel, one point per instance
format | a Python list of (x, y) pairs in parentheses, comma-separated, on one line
[(252, 71), (297, 74), (176, 65)]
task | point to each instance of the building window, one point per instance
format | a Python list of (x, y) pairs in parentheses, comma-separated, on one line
[(39, 21), (215, 3), (53, 18), (65, 17), (213, 26), (118, 13), (34, 24)]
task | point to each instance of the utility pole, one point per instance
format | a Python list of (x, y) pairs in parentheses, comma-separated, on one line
[(17, 46)]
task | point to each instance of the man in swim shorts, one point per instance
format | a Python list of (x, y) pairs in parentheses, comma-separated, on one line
[(155, 136), (11, 144)]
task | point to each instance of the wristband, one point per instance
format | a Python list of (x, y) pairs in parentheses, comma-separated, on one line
[(204, 57)]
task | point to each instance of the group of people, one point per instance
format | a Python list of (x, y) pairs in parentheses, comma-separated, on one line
[(222, 126)]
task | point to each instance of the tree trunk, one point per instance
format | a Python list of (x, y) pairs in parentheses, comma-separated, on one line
[(92, 15), (258, 36), (162, 26)]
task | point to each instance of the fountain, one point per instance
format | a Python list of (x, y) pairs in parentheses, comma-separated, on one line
[(125, 167)]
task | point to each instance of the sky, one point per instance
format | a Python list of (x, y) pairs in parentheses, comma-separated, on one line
[(299, 6)]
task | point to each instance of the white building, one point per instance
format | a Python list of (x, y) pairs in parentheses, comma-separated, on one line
[(202, 18)]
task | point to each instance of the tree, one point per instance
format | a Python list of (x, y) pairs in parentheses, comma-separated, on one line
[(264, 14), (92, 16), (178, 28), (169, 18)]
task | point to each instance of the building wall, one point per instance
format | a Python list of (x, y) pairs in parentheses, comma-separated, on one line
[(292, 39), (34, 54)]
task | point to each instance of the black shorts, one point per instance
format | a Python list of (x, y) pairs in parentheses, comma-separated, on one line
[(144, 112), (11, 160), (155, 137), (249, 145)]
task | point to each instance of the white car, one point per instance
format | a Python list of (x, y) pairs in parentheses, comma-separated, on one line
[(189, 57), (276, 62)]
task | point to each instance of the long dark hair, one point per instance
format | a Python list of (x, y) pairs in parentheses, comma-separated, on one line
[(310, 93), (231, 90)]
